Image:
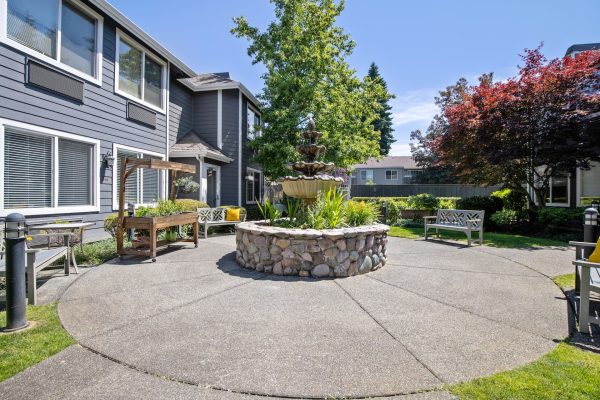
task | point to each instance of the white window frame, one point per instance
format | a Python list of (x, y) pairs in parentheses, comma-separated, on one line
[(55, 209), (553, 204), (366, 174), (392, 172), (253, 170), (257, 133), (145, 53), (97, 78), (115, 193)]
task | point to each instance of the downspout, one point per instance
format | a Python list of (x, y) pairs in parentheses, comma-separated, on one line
[(167, 109), (200, 180)]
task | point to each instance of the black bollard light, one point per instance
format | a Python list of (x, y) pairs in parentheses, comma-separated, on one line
[(130, 213), (14, 230), (590, 235)]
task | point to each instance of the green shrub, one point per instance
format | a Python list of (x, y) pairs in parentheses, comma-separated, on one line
[(423, 201), (511, 199), (448, 202), (361, 213), (269, 211), (489, 204), (587, 201), (558, 216), (110, 224), (508, 218), (191, 204)]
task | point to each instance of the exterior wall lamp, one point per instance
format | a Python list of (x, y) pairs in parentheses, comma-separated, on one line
[(108, 160)]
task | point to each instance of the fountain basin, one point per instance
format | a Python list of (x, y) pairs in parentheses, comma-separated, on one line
[(304, 187), (311, 252)]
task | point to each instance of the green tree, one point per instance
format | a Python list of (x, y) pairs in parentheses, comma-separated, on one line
[(383, 123), (304, 53)]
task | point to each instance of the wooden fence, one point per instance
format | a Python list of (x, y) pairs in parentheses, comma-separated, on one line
[(438, 190)]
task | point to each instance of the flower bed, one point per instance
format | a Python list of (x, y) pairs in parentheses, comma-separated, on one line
[(311, 252)]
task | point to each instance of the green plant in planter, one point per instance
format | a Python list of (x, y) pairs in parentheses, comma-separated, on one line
[(171, 235), (269, 211), (186, 184), (328, 212)]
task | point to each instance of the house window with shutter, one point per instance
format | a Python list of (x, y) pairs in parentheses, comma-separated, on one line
[(143, 186), (45, 171)]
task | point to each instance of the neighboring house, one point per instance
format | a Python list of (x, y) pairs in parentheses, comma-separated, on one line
[(390, 170), (82, 87), (578, 187)]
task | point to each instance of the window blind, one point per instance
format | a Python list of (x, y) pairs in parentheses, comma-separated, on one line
[(131, 185), (74, 173), (27, 170), (151, 183)]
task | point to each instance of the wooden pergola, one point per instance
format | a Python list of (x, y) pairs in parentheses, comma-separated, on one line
[(151, 224)]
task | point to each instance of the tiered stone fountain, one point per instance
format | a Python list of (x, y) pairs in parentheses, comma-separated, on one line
[(312, 179), (311, 252)]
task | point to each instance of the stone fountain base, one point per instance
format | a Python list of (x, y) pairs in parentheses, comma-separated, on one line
[(310, 252)]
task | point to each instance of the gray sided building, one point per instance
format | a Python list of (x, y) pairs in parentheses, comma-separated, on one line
[(82, 87)]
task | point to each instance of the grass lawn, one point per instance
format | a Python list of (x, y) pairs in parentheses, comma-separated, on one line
[(566, 373), (489, 238), (96, 253), (566, 281), (19, 351)]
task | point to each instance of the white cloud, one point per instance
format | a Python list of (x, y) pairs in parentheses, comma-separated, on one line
[(414, 107), (400, 149)]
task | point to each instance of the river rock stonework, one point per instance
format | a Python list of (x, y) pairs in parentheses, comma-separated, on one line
[(310, 252)]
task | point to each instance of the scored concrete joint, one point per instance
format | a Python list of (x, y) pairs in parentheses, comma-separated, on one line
[(311, 252)]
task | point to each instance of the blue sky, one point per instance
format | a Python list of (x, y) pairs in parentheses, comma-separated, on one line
[(420, 46)]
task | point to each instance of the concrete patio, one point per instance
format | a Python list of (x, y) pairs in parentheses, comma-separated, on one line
[(196, 325)]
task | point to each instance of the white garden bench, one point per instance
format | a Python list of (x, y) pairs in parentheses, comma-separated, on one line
[(587, 281), (457, 220), (216, 217)]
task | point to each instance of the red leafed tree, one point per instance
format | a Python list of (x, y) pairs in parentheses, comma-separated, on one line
[(527, 128)]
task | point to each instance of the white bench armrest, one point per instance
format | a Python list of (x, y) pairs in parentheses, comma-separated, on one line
[(584, 263)]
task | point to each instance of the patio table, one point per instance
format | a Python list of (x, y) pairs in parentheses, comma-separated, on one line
[(69, 229)]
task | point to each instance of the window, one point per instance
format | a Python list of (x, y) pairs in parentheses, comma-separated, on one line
[(139, 75), (143, 186), (253, 119), (253, 186), (410, 176), (46, 171), (391, 175), (64, 33), (366, 175), (558, 192)]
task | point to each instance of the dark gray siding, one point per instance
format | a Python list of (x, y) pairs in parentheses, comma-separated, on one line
[(101, 116), (181, 111), (205, 116), (229, 172), (247, 153)]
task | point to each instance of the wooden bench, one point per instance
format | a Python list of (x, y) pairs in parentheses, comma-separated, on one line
[(215, 217), (465, 221), (37, 260), (587, 280)]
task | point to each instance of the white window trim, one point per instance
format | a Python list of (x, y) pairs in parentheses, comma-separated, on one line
[(568, 203), (96, 79), (37, 130), (392, 171), (255, 111), (220, 119), (115, 193), (253, 170), (145, 53)]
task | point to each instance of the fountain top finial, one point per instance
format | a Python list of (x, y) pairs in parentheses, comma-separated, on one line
[(311, 125)]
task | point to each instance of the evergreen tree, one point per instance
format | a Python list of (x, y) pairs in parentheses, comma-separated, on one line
[(383, 123)]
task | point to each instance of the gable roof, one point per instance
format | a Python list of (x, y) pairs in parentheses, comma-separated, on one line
[(191, 145), (576, 48), (406, 162), (125, 22), (216, 81)]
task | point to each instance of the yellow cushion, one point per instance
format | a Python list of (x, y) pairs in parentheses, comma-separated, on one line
[(232, 214), (595, 256)]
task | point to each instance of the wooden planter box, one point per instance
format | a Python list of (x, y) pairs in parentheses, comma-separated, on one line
[(152, 224)]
